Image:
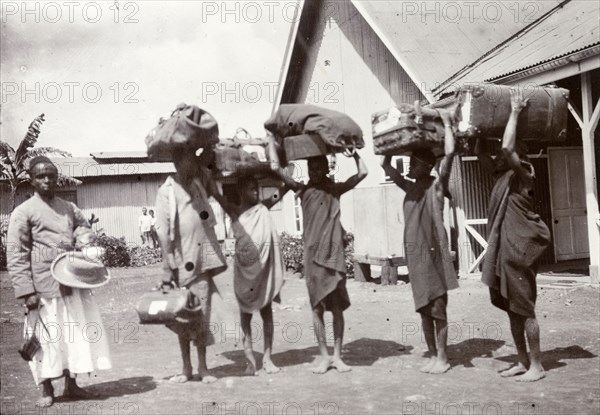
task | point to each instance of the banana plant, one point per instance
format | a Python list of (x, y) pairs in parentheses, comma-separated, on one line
[(14, 164)]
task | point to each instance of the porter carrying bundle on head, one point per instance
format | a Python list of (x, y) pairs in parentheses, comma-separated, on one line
[(302, 131)]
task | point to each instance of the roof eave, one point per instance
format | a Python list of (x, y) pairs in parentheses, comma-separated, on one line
[(291, 44), (578, 62)]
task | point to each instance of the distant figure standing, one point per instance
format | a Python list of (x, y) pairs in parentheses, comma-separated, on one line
[(430, 267), (153, 234), (517, 237), (145, 225)]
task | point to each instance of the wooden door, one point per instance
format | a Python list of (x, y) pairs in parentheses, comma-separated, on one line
[(567, 193)]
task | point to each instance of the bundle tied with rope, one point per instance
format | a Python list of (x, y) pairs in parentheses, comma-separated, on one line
[(302, 131)]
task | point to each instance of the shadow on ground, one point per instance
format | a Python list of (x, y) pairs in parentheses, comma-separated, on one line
[(361, 352), (553, 359), (463, 353), (121, 387)]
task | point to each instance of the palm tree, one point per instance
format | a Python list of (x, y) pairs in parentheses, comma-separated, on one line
[(14, 164)]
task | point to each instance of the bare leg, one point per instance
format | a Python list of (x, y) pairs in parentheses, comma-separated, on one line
[(186, 372), (441, 364), (47, 398), (429, 333), (246, 319), (205, 375), (266, 314), (517, 328), (319, 325), (536, 371), (338, 336)]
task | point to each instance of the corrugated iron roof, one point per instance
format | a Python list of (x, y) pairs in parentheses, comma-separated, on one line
[(571, 28), (102, 155), (89, 167), (433, 40)]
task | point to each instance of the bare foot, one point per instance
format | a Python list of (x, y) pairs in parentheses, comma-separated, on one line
[(270, 367), (429, 365), (179, 378), (339, 365), (519, 369), (533, 374), (206, 377), (322, 367), (250, 370), (45, 402), (439, 367)]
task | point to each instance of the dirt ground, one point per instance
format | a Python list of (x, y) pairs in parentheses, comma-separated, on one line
[(383, 344)]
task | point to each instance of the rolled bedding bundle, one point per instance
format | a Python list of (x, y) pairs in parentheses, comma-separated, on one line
[(483, 111), (303, 130)]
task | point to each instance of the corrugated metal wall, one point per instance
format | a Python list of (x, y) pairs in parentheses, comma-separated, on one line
[(118, 202), (476, 186)]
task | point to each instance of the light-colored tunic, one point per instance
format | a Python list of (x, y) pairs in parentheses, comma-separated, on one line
[(76, 339), (258, 272), (185, 226)]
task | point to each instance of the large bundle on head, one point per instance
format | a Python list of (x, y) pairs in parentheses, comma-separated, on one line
[(241, 156), (484, 110), (302, 131), (236, 162), (188, 127), (403, 129)]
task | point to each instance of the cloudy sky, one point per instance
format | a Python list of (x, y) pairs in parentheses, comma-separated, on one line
[(104, 72)]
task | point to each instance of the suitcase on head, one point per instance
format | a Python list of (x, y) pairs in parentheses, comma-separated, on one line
[(484, 110), (406, 128)]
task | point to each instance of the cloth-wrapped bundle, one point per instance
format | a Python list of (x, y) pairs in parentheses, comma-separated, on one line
[(484, 110), (405, 128), (189, 127), (305, 123)]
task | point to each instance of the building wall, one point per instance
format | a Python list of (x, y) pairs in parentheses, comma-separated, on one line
[(349, 69), (118, 201)]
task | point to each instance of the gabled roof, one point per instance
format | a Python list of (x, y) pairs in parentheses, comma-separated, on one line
[(433, 40), (430, 40), (569, 33)]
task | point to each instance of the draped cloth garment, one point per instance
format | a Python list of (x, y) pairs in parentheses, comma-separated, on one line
[(258, 272), (517, 237)]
